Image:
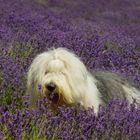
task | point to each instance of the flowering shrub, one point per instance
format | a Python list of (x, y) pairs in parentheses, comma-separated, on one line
[(105, 35)]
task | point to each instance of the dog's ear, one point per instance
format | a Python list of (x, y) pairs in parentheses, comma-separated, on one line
[(31, 88)]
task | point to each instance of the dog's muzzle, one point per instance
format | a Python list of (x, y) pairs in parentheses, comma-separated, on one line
[(51, 87), (52, 94)]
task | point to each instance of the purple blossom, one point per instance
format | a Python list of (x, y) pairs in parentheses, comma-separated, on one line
[(116, 120), (39, 87), (105, 35)]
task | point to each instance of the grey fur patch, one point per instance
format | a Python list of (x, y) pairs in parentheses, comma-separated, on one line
[(110, 85)]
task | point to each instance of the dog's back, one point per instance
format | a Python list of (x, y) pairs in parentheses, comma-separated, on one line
[(113, 85)]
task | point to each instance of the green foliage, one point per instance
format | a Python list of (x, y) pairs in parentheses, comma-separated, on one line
[(33, 134), (6, 97), (6, 135), (20, 50)]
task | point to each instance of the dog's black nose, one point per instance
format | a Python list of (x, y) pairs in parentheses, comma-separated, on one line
[(51, 87)]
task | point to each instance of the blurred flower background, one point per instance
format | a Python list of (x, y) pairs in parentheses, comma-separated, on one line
[(105, 34)]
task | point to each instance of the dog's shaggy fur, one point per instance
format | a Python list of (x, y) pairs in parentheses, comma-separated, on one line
[(64, 79)]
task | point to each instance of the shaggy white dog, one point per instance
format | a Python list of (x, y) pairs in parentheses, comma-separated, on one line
[(64, 79)]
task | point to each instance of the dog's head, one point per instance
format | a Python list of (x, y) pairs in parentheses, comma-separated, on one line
[(63, 77)]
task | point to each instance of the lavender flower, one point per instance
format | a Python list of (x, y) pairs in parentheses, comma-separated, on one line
[(105, 35)]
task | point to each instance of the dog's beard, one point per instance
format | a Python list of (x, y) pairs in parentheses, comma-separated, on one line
[(55, 97)]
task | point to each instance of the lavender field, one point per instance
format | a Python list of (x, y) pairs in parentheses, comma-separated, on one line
[(105, 34)]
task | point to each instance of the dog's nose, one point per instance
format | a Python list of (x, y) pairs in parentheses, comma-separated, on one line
[(51, 87)]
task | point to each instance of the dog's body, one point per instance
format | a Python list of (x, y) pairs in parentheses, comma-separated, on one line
[(65, 80), (113, 85)]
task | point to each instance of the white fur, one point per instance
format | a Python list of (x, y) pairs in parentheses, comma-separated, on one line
[(68, 73), (132, 93)]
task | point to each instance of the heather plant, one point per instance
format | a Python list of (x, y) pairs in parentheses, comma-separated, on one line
[(105, 35)]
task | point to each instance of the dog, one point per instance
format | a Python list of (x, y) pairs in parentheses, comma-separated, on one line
[(61, 76)]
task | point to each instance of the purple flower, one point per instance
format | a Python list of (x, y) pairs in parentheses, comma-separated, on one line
[(105, 35), (39, 87)]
